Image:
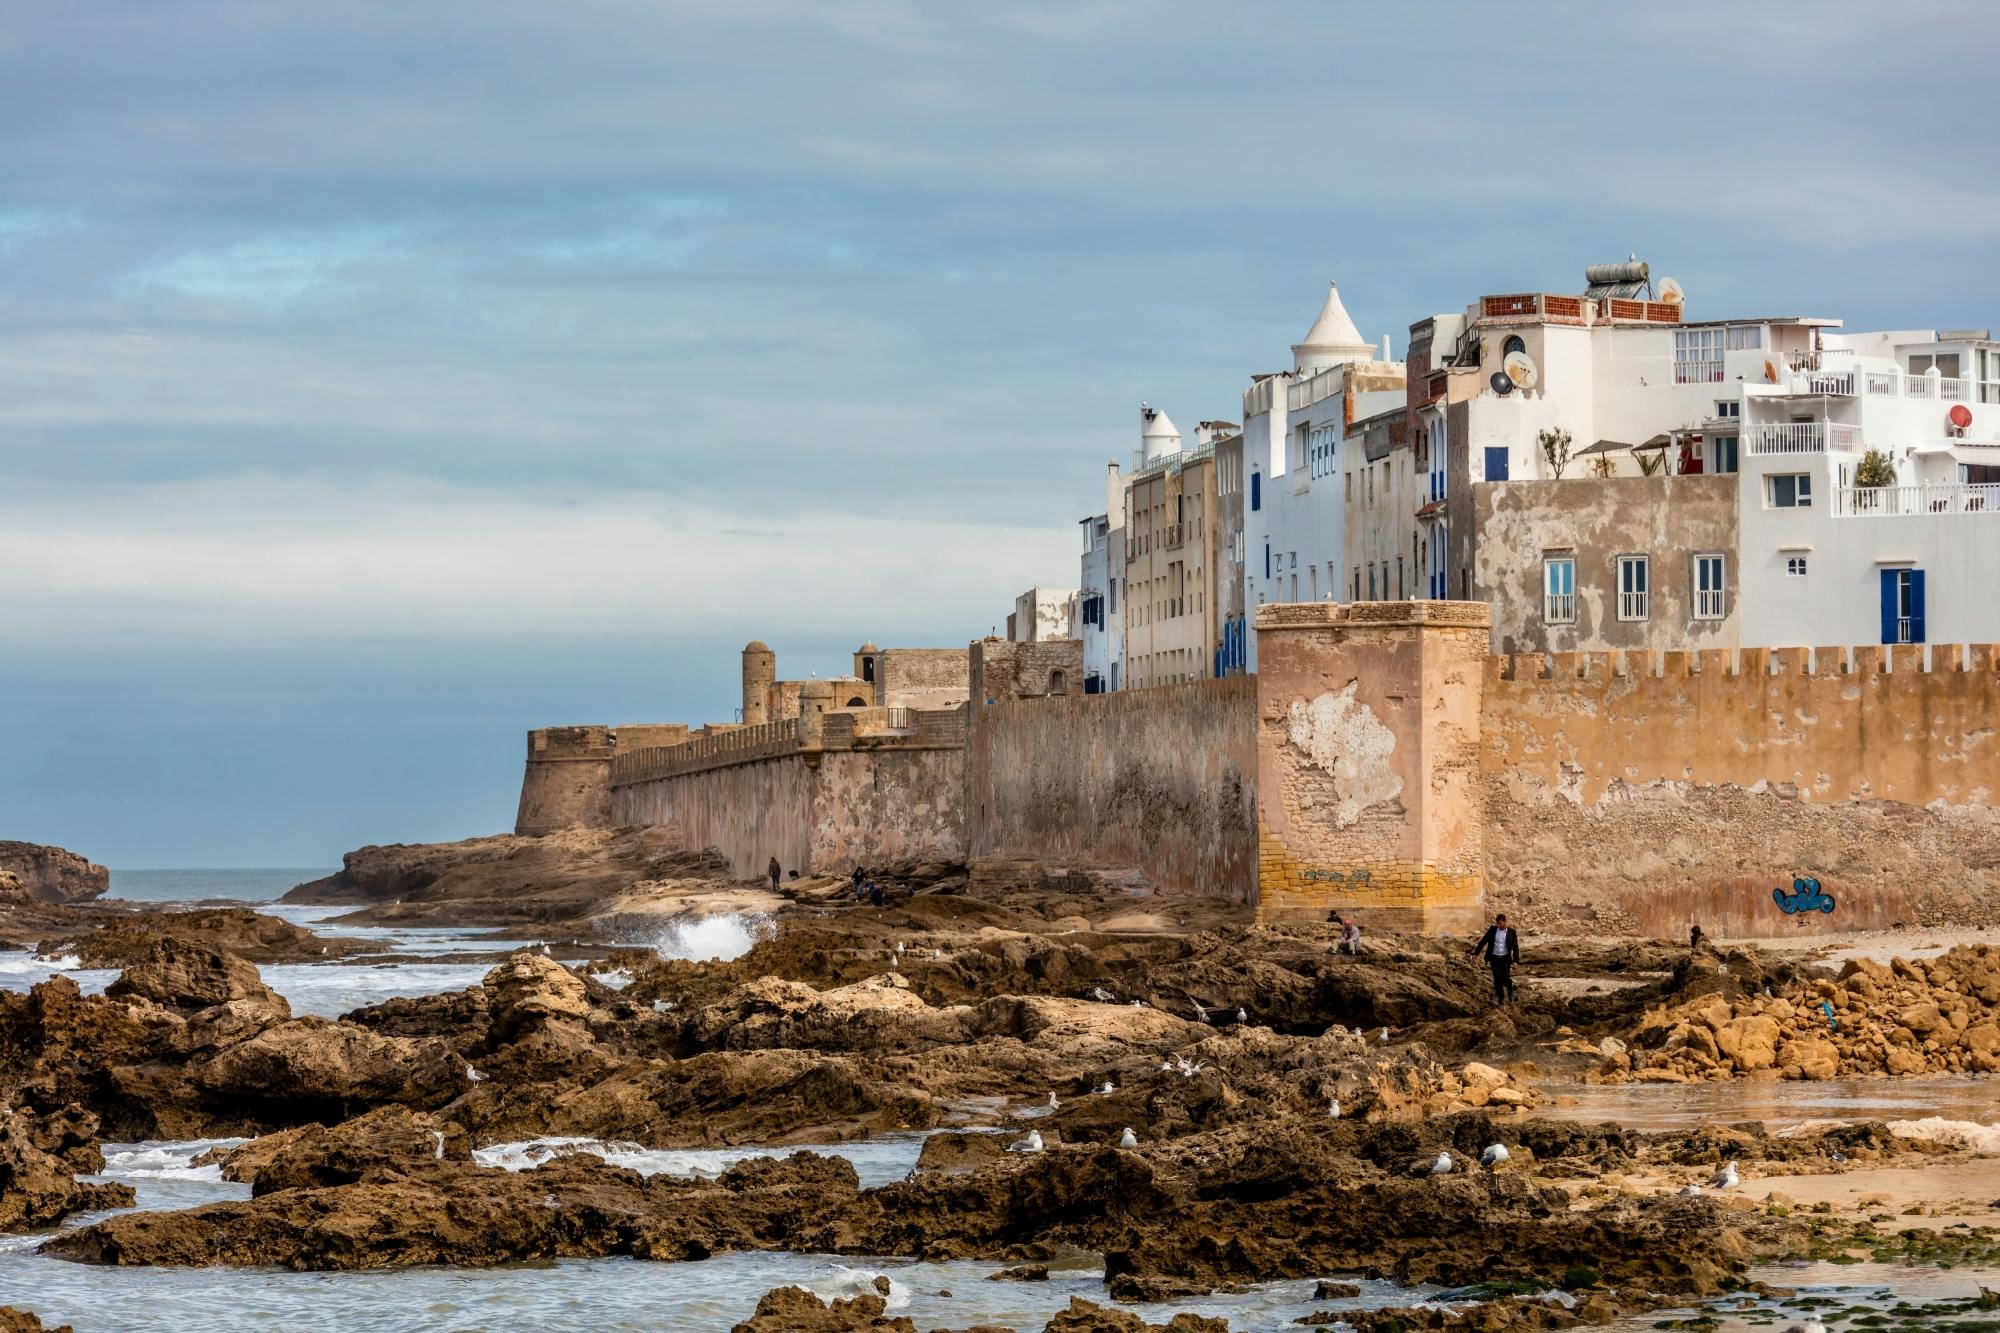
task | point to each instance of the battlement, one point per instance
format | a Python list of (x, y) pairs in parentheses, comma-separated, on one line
[(848, 729), (1864, 660)]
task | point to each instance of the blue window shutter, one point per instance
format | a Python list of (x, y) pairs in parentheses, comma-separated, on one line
[(1257, 490), (1888, 606), (1917, 606), (1267, 560)]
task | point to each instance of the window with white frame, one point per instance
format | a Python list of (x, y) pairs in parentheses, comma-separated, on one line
[(1728, 409), (1746, 337), (1710, 601), (1635, 587), (1559, 589), (1795, 566), (1697, 356), (1788, 490)]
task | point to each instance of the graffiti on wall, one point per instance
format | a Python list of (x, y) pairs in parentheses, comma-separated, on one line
[(1804, 897), (1356, 878)]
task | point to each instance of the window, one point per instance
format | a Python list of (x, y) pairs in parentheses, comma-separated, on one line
[(1371, 582), (1635, 596), (1728, 409), (1312, 581), (1746, 337), (1698, 356), (1295, 559), (1788, 490), (1267, 559), (1256, 490), (1902, 606), (1559, 589), (1725, 452), (1795, 566), (1710, 602)]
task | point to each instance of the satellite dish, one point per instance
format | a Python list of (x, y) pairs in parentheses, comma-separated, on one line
[(1770, 371), (1961, 415), (1520, 368), (1671, 292), (1501, 383)]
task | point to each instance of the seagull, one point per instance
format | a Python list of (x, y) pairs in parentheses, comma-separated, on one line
[(896, 961), (1107, 1087), (1128, 1139), (1810, 1326), (938, 954), (1241, 1015), (1725, 1179), (1442, 1165), (899, 948), (1199, 1012), (1333, 1108), (1385, 1036), (473, 1075), (1053, 1103), (1101, 995), (1140, 1004), (1839, 1156), (1691, 1190), (1033, 1143), (1495, 1154)]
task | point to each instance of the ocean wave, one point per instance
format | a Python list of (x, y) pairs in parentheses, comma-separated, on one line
[(164, 1159), (27, 964)]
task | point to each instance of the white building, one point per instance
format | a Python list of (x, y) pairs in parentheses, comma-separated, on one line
[(1101, 624), (1294, 424), (1825, 561), (1042, 615)]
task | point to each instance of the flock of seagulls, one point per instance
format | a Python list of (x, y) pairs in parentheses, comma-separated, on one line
[(1035, 1143), (1491, 1158)]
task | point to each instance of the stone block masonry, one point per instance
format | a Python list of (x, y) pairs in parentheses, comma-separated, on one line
[(1367, 735)]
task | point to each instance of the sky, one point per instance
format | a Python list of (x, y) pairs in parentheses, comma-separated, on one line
[(380, 380)]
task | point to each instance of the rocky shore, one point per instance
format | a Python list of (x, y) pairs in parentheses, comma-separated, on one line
[(1198, 1107)]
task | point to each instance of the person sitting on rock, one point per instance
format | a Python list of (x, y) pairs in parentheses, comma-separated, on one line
[(1350, 937), (1694, 937)]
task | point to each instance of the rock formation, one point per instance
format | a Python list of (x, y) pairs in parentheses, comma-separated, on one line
[(53, 875)]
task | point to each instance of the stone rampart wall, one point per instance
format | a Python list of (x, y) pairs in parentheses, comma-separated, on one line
[(1159, 780), (749, 811), (1651, 790)]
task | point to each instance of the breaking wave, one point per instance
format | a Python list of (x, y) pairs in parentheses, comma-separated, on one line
[(722, 937)]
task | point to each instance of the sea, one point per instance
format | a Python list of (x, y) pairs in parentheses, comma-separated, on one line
[(714, 1294)]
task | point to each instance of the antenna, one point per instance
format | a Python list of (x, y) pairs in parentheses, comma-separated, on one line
[(1521, 369), (1501, 383), (1672, 292)]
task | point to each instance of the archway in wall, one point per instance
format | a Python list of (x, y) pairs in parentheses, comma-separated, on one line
[(1058, 683), (857, 703)]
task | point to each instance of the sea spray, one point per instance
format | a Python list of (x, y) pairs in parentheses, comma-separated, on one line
[(722, 937)]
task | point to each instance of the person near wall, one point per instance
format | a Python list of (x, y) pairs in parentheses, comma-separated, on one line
[(775, 871), (1350, 937), (1501, 946), (1694, 937)]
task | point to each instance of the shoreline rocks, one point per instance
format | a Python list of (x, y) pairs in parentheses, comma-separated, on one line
[(53, 874)]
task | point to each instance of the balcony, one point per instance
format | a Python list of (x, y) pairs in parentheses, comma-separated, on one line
[(1803, 437), (1903, 501), (1697, 372)]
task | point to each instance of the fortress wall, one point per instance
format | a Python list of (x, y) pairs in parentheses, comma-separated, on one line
[(1159, 780), (1648, 790), (885, 806), (749, 812), (567, 781)]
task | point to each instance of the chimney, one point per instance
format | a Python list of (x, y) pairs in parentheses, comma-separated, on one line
[(1385, 348)]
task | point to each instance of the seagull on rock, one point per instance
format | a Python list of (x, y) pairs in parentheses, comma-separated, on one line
[(1690, 1190), (1495, 1154), (1101, 995), (1442, 1166), (1333, 1108), (1385, 1036), (1033, 1143), (1128, 1139), (1107, 1087), (1242, 1014), (1725, 1179), (1810, 1326), (1053, 1103)]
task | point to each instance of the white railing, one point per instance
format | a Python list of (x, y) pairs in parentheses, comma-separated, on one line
[(1838, 383), (1708, 604), (1803, 437), (1559, 608), (1895, 501), (1697, 372), (1301, 394), (1634, 605)]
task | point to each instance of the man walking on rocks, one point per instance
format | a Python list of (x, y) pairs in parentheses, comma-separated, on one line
[(1502, 946), (776, 872)]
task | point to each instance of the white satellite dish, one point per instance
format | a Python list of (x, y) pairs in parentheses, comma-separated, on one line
[(1671, 292), (1520, 368)]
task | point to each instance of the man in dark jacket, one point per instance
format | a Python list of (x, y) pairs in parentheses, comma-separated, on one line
[(775, 871), (1501, 944)]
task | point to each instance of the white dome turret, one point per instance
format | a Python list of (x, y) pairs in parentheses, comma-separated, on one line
[(1332, 339), (1158, 436)]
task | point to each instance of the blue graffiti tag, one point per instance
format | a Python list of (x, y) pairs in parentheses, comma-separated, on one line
[(1356, 878), (1804, 897)]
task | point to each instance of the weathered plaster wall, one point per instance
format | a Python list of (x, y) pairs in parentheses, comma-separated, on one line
[(876, 807), (1647, 791), (1160, 780), (748, 812), (922, 677), (1597, 519), (1368, 723)]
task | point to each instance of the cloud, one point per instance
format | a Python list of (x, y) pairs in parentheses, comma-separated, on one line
[(266, 559), (279, 269)]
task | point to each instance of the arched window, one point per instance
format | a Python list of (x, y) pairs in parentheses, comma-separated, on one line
[(1058, 683), (857, 703)]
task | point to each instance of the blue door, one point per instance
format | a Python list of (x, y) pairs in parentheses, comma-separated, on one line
[(1496, 463), (1903, 606)]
